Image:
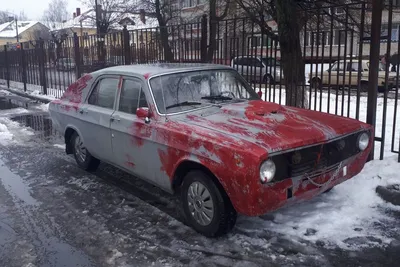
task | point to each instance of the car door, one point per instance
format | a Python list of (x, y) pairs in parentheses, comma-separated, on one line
[(96, 113), (128, 144)]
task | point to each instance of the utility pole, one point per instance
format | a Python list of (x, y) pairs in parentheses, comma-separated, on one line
[(16, 27), (97, 17)]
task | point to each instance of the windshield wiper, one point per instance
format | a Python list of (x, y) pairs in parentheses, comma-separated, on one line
[(185, 103), (217, 97)]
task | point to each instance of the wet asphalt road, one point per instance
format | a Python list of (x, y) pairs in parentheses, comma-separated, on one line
[(55, 214)]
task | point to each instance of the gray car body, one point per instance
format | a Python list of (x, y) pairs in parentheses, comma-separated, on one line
[(106, 132)]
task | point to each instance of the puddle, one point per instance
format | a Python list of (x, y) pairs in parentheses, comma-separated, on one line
[(40, 123), (14, 184), (54, 250), (7, 104)]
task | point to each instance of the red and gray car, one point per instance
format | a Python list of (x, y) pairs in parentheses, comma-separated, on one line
[(200, 131)]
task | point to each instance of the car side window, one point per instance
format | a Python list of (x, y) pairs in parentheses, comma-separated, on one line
[(103, 95), (131, 97)]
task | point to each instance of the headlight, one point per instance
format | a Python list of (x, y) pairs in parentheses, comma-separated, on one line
[(267, 171), (363, 141)]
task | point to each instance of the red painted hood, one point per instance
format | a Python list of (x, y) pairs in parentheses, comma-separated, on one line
[(273, 126)]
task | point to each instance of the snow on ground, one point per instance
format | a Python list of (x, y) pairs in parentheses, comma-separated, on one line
[(13, 111), (12, 132), (44, 107), (61, 146), (36, 91), (350, 210)]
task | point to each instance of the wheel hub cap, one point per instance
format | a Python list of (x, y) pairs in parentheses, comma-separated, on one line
[(200, 202), (80, 150)]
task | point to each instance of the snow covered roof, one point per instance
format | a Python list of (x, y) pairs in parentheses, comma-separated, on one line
[(87, 21), (85, 18), (8, 29)]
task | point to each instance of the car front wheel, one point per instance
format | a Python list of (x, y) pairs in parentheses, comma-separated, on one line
[(206, 207), (82, 156)]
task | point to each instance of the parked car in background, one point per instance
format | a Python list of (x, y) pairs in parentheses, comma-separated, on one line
[(201, 131), (258, 69), (346, 73), (63, 64)]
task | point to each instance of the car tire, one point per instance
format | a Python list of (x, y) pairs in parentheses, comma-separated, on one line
[(364, 87), (268, 79), (316, 83), (82, 156), (200, 193), (328, 190)]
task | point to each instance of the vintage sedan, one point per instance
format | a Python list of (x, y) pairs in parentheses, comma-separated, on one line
[(203, 132)]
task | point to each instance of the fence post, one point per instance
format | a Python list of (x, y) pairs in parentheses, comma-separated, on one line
[(127, 47), (204, 38), (377, 8), (78, 60), (23, 65), (42, 67), (7, 66)]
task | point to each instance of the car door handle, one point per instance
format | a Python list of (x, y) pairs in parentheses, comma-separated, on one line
[(115, 118), (83, 110)]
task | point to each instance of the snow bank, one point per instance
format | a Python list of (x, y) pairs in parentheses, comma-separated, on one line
[(350, 210), (44, 107), (5, 135)]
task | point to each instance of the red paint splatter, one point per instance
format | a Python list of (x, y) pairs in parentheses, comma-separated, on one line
[(231, 144), (146, 75), (73, 94), (129, 162)]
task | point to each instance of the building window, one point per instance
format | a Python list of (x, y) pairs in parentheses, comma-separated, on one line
[(339, 37), (191, 3), (259, 41), (395, 32)]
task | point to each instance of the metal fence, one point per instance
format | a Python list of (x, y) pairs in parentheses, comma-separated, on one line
[(342, 48)]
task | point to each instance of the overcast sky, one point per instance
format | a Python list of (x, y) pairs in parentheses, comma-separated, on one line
[(34, 8)]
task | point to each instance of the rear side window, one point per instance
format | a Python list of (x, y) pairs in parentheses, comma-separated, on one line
[(103, 95), (131, 97)]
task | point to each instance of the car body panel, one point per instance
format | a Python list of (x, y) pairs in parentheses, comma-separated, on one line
[(231, 140), (255, 69)]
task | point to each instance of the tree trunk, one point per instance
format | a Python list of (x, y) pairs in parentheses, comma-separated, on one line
[(213, 31), (168, 55), (291, 56), (58, 49)]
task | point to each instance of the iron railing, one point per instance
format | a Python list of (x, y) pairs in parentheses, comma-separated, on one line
[(341, 49)]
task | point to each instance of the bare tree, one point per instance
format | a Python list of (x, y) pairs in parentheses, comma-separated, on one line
[(22, 16), (109, 13), (165, 13), (4, 17), (292, 16), (54, 18)]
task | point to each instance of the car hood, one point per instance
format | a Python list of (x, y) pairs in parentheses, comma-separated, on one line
[(274, 127)]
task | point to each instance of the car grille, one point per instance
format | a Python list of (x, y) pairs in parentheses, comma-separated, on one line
[(316, 160)]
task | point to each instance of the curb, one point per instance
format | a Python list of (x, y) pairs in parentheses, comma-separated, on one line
[(24, 94)]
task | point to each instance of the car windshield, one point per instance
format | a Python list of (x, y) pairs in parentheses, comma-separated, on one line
[(271, 62), (190, 90)]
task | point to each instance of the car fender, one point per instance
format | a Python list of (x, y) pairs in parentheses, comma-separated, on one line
[(76, 130)]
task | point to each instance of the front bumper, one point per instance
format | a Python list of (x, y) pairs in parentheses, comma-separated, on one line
[(287, 192)]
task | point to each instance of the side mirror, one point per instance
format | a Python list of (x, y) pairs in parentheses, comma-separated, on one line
[(143, 113)]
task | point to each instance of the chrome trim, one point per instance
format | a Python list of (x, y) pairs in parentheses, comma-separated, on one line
[(227, 68)]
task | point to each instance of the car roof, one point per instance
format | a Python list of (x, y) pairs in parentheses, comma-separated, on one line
[(159, 68)]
